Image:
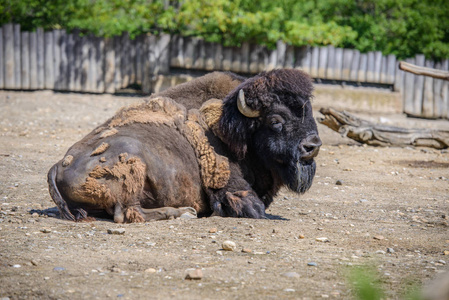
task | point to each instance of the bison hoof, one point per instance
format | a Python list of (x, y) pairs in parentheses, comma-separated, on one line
[(187, 213)]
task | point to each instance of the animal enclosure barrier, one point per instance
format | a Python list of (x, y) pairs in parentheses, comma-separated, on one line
[(63, 61)]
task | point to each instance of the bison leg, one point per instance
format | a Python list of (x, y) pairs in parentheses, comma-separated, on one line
[(243, 204), (164, 213)]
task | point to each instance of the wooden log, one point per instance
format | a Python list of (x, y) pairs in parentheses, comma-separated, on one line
[(338, 63), (439, 74), (322, 61), (63, 82), (302, 58), (363, 67), (377, 66), (281, 48), (437, 95), (49, 63), (218, 57), (408, 92), (118, 72), (40, 58), (380, 135), (353, 76), (209, 60), (32, 49), (330, 70), (348, 56), (289, 57), (419, 88), (25, 60), (428, 97), (244, 64), (314, 62), (199, 54), (8, 40), (56, 58), (2, 61), (236, 59), (227, 58), (17, 57)]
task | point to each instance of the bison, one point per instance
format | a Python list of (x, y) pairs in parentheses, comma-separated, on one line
[(157, 160)]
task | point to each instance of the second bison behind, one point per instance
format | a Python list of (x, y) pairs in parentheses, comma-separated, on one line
[(157, 160)]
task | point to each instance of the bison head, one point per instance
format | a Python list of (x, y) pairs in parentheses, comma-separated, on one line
[(268, 119)]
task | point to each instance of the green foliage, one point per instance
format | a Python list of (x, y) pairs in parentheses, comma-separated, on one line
[(365, 284), (400, 27)]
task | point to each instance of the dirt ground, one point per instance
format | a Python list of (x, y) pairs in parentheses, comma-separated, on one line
[(391, 212)]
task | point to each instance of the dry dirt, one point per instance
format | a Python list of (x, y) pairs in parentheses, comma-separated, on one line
[(394, 198)]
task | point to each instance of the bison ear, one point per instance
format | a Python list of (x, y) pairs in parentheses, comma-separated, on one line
[(235, 126)]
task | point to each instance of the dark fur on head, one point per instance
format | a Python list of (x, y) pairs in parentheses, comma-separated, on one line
[(281, 96)]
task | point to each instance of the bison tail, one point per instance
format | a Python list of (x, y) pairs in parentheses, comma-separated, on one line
[(56, 195)]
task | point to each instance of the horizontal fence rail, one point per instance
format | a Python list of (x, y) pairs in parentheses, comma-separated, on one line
[(62, 61)]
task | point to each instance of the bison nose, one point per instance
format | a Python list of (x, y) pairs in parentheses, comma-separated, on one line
[(310, 146)]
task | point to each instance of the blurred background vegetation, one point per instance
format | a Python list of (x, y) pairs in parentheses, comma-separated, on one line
[(400, 27)]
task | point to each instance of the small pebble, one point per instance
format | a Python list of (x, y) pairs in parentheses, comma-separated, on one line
[(322, 239), (119, 231), (301, 236), (213, 230), (246, 250), (378, 237), (380, 252), (16, 266), (45, 230), (229, 246), (312, 264), (150, 270), (442, 262), (291, 275), (117, 270), (289, 290), (339, 182), (446, 252), (58, 269), (390, 250), (196, 274)]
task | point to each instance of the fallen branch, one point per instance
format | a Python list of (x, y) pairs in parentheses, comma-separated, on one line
[(380, 135), (435, 73)]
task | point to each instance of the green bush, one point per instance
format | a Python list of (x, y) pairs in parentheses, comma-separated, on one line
[(401, 27)]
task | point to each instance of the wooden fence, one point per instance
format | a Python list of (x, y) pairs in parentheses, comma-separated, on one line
[(63, 61)]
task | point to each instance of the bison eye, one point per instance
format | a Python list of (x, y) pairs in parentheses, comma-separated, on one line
[(277, 126), (276, 123)]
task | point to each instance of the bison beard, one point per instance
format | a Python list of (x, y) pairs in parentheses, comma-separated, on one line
[(229, 158)]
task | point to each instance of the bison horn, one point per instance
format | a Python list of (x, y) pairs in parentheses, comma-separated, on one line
[(245, 109)]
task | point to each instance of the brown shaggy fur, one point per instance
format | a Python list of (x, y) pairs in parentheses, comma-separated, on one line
[(100, 149), (67, 160)]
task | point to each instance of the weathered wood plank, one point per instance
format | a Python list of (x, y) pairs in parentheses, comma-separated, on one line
[(199, 54), (244, 66), (302, 58), (56, 58), (17, 57), (132, 61), (139, 57), (348, 56), (25, 60), (32, 49), (227, 58), (399, 79), (117, 56), (281, 48), (363, 67), (289, 57), (236, 59), (99, 60), (314, 62), (40, 58), (162, 48), (377, 66), (419, 87), (417, 70), (71, 62), (428, 97), (218, 57), (370, 67), (445, 92), (2, 61), (437, 95), (338, 63), (64, 66), (264, 57), (272, 59), (125, 67), (109, 65), (84, 74), (189, 51), (353, 76), (49, 62), (209, 61), (390, 72), (409, 91), (322, 61), (8, 54), (330, 70)]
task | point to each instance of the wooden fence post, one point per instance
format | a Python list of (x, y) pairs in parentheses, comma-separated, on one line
[(363, 66), (330, 70), (209, 61), (355, 66), (428, 97), (348, 56), (281, 47), (322, 62), (17, 59), (409, 91), (377, 66), (199, 54), (118, 73), (314, 62), (418, 87), (33, 59), (48, 60), (56, 58), (2, 61), (218, 57), (63, 80), (8, 54), (25, 61), (244, 67), (289, 57), (338, 67), (109, 66), (445, 92)]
